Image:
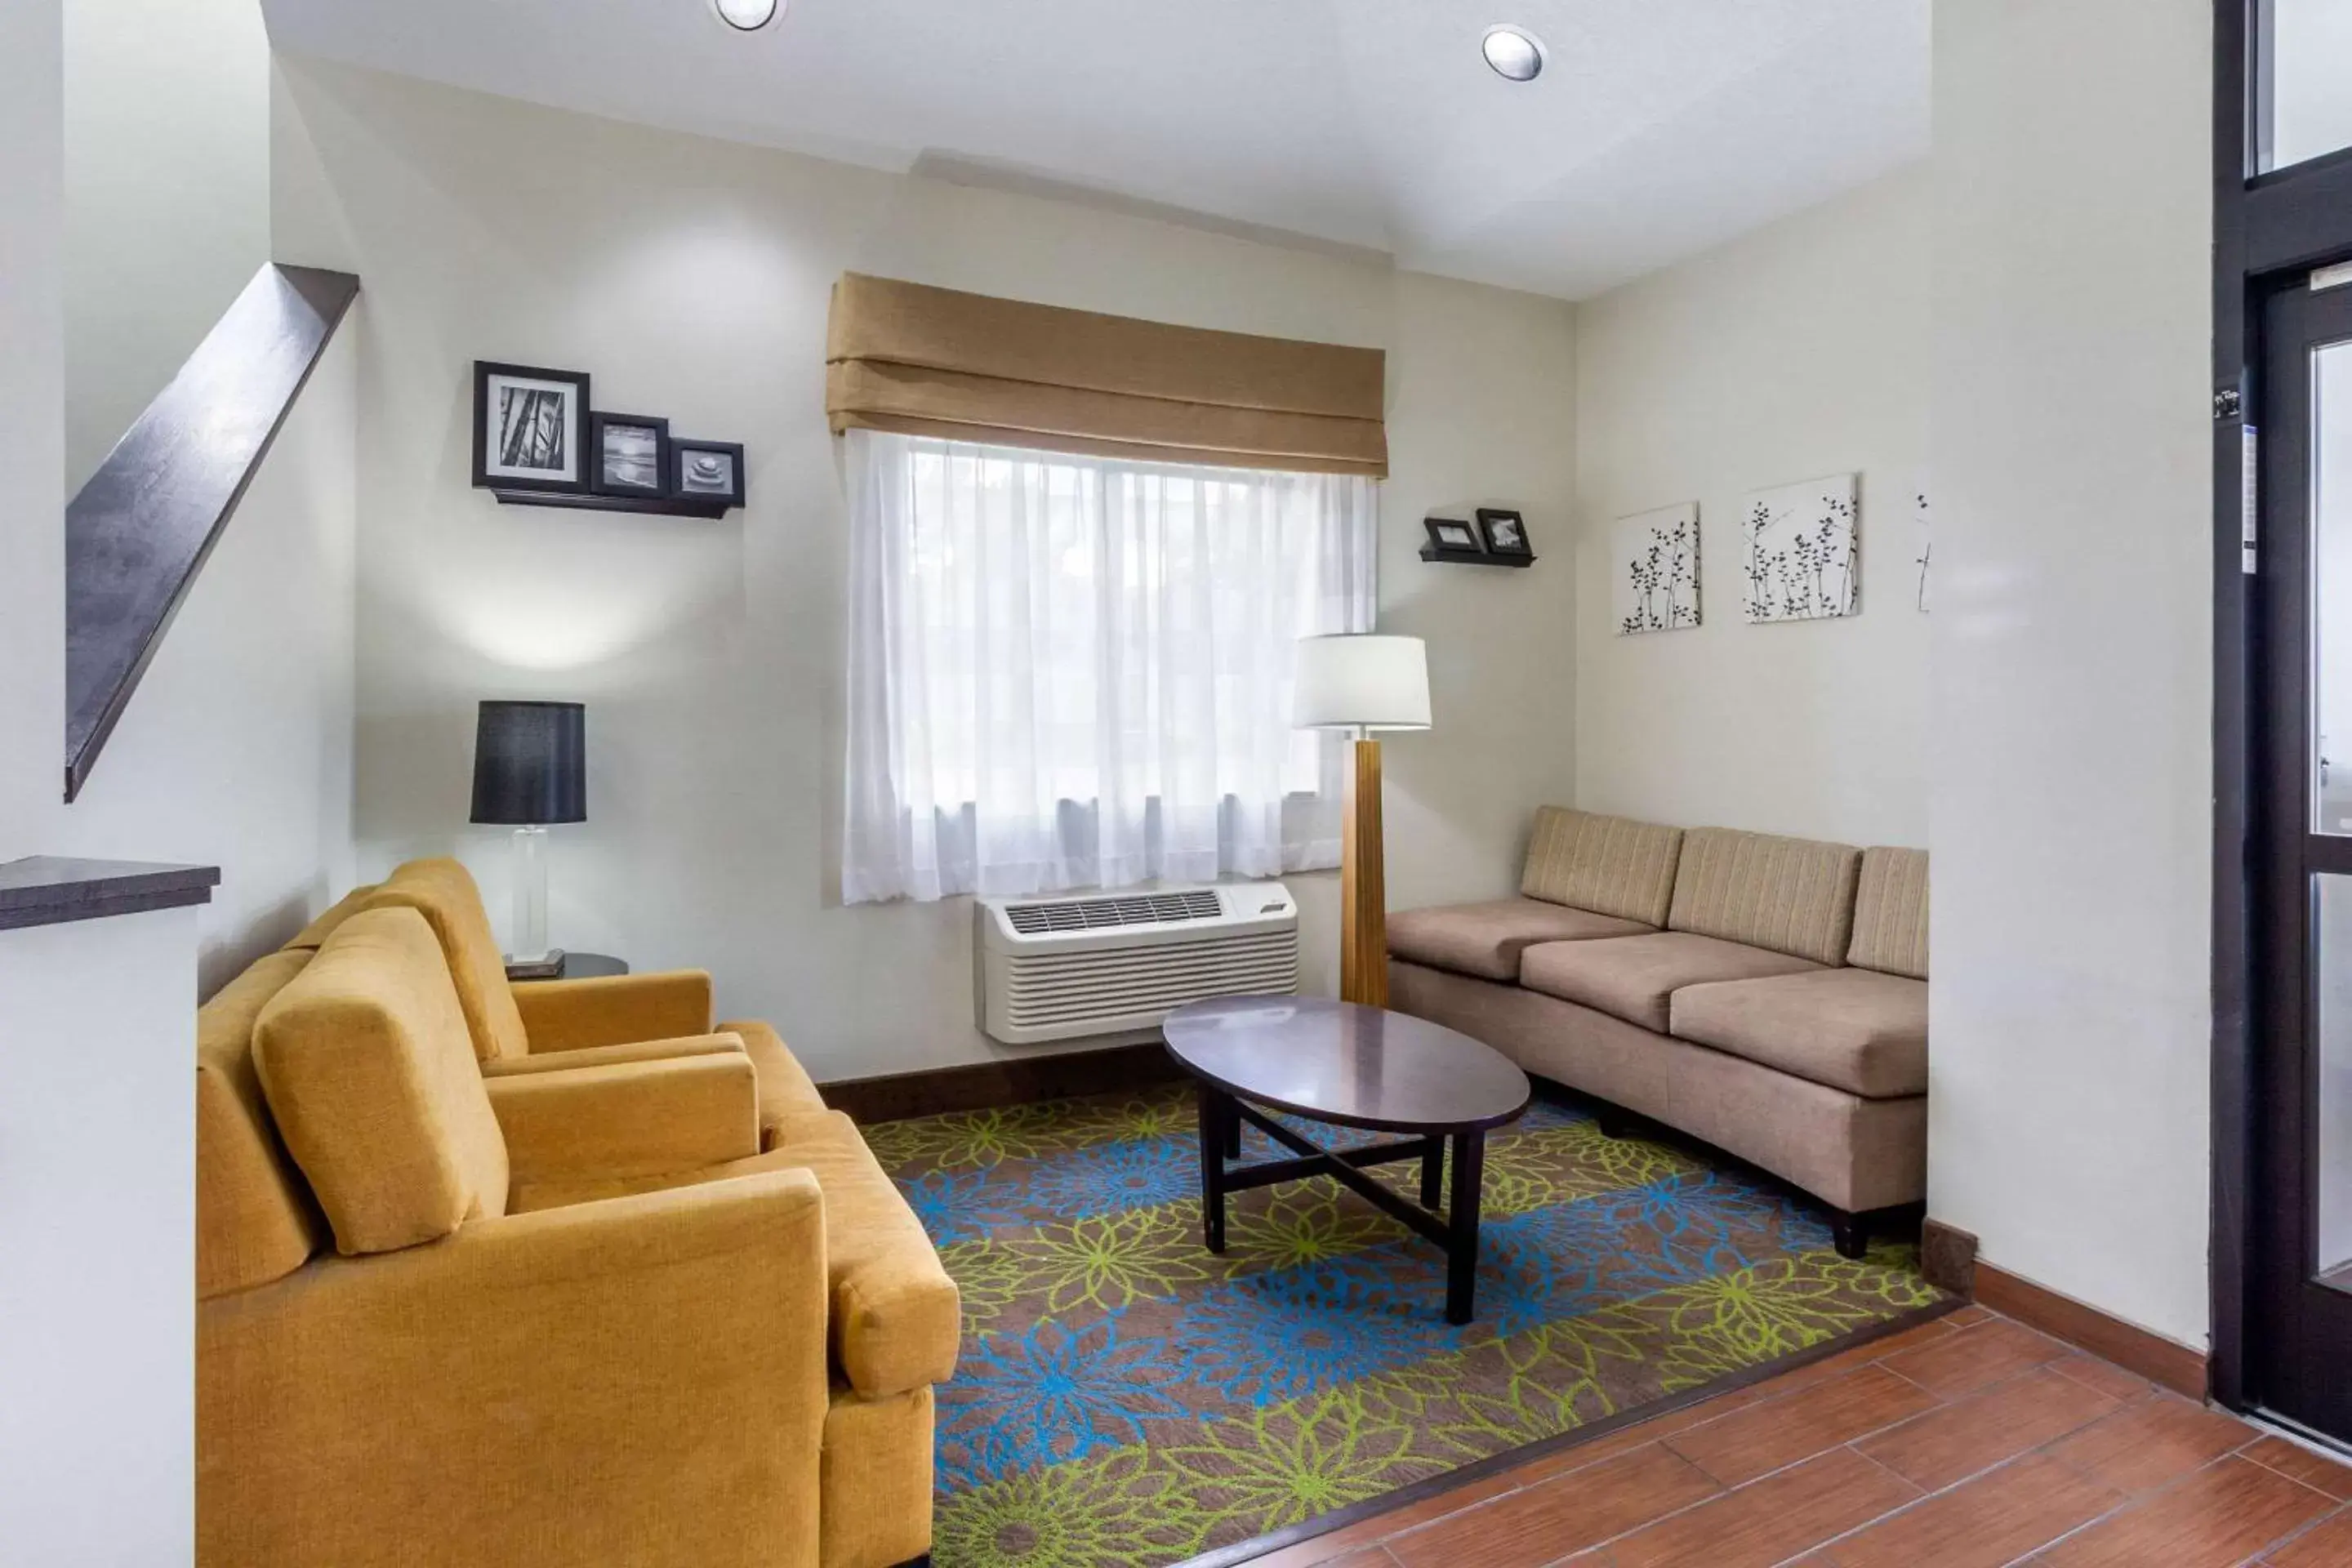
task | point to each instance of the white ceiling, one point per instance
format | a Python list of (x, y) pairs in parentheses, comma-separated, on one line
[(1659, 128)]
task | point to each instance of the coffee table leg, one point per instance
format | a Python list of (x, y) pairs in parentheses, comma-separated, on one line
[(1216, 1113), (1433, 1173), (1462, 1244)]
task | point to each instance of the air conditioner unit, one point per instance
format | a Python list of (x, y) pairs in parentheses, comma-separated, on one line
[(1056, 969)]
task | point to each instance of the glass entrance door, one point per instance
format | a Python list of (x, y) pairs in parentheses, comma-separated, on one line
[(2300, 1343)]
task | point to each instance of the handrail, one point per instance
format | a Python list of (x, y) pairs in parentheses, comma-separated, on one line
[(138, 532)]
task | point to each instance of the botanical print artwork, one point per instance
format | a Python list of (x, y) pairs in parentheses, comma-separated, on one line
[(1126, 1398), (1927, 547), (1656, 584), (1804, 558)]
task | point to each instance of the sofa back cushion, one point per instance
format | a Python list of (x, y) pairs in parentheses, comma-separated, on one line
[(1791, 895), (256, 1220), (1890, 913), (374, 1084), (444, 892), (1609, 864)]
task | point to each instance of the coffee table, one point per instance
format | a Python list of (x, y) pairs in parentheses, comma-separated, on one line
[(1349, 1066)]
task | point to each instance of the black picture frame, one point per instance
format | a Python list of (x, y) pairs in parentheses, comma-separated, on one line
[(601, 424), (1503, 532), (495, 469), (683, 483), (1464, 534)]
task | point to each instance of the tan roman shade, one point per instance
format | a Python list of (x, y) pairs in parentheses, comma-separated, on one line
[(934, 361)]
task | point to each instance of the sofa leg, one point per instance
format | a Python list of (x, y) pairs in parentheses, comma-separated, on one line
[(1850, 1233), (1614, 1123)]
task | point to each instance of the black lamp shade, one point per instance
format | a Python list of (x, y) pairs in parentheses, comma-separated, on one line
[(531, 763)]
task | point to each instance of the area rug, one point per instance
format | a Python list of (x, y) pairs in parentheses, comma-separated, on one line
[(1128, 1399)]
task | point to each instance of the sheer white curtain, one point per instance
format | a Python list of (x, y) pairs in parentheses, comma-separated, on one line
[(1070, 671)]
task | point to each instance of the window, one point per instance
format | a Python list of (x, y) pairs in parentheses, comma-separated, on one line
[(1069, 671)]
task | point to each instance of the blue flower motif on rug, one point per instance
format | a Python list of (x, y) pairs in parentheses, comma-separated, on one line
[(1136, 1173), (1050, 1396), (1334, 1321), (958, 1206)]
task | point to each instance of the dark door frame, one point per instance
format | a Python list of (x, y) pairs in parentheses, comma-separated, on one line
[(2268, 230)]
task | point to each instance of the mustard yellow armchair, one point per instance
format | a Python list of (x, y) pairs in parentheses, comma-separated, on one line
[(555, 1317)]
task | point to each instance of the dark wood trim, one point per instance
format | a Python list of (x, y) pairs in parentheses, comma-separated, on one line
[(1013, 1081), (588, 500), (2160, 1361), (139, 533), (1243, 1552), (48, 889), (1455, 557), (1947, 1257)]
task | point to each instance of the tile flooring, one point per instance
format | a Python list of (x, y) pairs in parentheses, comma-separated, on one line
[(1968, 1442)]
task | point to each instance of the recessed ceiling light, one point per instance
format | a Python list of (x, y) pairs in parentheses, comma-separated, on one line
[(1515, 54), (747, 15)]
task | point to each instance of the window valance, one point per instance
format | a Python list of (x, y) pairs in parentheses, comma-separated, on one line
[(920, 361)]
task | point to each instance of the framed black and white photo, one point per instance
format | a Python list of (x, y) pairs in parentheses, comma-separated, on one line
[(631, 453), (706, 470), (1451, 534), (530, 427), (1503, 532)]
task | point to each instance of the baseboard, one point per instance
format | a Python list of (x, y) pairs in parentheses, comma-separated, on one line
[(1948, 1257), (2163, 1361), (1018, 1080)]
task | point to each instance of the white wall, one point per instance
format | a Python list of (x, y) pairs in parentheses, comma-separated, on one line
[(690, 278), (2072, 645), (167, 196), (1796, 352)]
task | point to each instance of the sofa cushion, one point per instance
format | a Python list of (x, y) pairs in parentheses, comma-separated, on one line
[(1609, 864), (897, 1318), (373, 1085), (1486, 940), (1634, 977), (1853, 1030), (1791, 895), (256, 1220), (1890, 913), (445, 893)]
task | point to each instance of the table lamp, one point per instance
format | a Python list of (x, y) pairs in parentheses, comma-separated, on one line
[(1361, 683), (531, 769)]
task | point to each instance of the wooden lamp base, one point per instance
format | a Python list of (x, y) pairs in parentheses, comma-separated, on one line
[(1363, 890)]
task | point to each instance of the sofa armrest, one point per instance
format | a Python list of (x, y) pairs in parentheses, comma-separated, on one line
[(614, 1009), (713, 1045), (628, 1118), (538, 1388)]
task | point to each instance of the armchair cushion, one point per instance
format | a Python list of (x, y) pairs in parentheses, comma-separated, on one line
[(1634, 977), (785, 1088), (444, 892), (313, 937), (1486, 940), (611, 1056), (371, 1080), (612, 1009), (627, 1118), (256, 1220), (1853, 1030)]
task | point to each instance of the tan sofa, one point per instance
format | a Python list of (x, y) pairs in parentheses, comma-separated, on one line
[(1768, 996), (565, 1313)]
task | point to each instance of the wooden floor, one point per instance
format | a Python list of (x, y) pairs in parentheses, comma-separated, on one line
[(1968, 1442)]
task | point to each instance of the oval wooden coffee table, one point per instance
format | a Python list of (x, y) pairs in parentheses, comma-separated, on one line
[(1352, 1066)]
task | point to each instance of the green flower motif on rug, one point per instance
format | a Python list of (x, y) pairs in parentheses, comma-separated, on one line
[(1293, 1462), (1109, 1260), (1109, 1512), (964, 1138), (1303, 1223)]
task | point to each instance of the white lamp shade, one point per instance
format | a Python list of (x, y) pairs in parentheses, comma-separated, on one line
[(1361, 682)]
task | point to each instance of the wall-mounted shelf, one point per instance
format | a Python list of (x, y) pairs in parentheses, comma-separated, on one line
[(1473, 557), (710, 510)]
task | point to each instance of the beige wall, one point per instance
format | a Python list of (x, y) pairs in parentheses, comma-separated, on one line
[(2072, 714), (690, 279), (1796, 352), (167, 196)]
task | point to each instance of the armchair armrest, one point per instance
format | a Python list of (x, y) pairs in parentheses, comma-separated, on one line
[(714, 1045), (628, 1118), (637, 1379), (615, 1009)]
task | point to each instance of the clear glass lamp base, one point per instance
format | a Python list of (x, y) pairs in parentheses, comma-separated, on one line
[(530, 935)]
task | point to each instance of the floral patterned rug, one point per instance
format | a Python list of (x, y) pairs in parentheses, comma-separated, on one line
[(1128, 1399)]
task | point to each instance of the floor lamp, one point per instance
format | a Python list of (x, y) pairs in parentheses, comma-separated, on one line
[(1359, 684)]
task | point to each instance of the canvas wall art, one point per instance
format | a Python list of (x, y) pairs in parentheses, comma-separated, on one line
[(1804, 554), (1655, 586)]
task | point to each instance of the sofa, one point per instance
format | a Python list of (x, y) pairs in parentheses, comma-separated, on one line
[(608, 1305), (1767, 995)]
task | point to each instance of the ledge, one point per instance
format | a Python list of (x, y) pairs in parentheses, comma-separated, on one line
[(1473, 557), (588, 500), (49, 889)]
